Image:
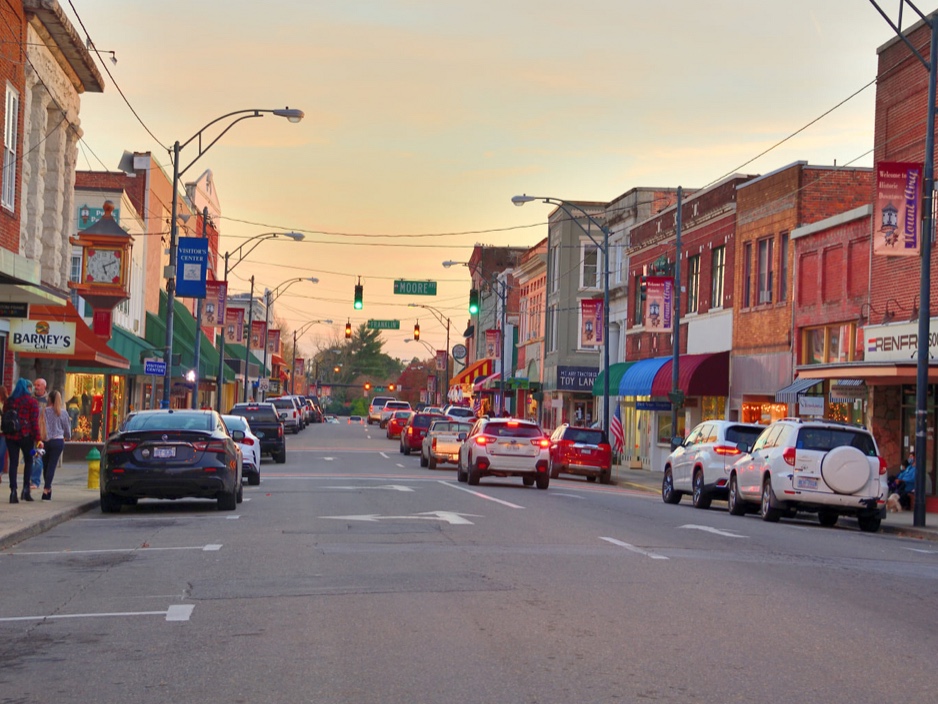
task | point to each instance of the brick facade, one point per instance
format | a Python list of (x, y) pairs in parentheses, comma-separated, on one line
[(12, 60)]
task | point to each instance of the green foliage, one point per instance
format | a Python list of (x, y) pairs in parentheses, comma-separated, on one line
[(359, 407)]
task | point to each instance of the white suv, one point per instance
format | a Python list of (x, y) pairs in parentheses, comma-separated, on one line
[(504, 447), (700, 464), (820, 466)]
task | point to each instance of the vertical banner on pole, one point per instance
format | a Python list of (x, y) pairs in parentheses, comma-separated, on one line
[(213, 308), (258, 328), (659, 303), (897, 219), (591, 322), (234, 325)]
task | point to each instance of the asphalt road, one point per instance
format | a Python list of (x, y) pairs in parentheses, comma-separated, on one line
[(353, 575)]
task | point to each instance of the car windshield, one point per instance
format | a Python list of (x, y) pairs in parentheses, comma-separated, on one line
[(584, 436), (355, 418), (742, 434), (402, 414), (256, 414), (460, 412), (826, 439), (170, 421), (448, 426), (512, 430), (283, 404), (423, 420)]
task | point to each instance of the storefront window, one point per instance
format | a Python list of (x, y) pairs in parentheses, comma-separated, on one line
[(846, 412), (84, 402), (713, 408), (664, 428), (828, 345), (764, 412), (117, 407)]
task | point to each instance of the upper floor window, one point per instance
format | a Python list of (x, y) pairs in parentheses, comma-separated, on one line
[(717, 271), (747, 275), (693, 284), (783, 268), (639, 299), (554, 269), (766, 269), (589, 266), (828, 344), (552, 327), (620, 269), (10, 138)]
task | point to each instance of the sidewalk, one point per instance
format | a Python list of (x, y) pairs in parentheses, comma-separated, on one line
[(70, 497), (895, 523)]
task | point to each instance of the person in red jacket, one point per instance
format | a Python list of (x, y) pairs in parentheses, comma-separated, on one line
[(22, 441)]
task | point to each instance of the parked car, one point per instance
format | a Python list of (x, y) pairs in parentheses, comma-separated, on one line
[(250, 447), (266, 425), (389, 408), (171, 454), (700, 464), (460, 413), (414, 431), (289, 413), (356, 420), (376, 406), (441, 443), (332, 420), (818, 466), (434, 409), (505, 447), (582, 451), (396, 424), (303, 408)]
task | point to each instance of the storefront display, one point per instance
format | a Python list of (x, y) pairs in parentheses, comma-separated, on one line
[(86, 407)]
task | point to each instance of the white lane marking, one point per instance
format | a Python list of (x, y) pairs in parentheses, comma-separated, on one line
[(479, 494), (387, 487), (715, 531), (451, 517), (384, 455), (569, 496), (924, 552), (646, 553), (147, 548), (401, 466), (232, 518), (178, 612), (328, 459)]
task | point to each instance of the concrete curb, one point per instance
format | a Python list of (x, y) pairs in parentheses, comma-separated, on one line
[(42, 525)]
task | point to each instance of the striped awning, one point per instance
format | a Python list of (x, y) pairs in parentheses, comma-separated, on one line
[(482, 367), (790, 393), (488, 382), (847, 390)]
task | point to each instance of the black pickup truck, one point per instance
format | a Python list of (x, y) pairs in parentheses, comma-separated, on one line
[(266, 425)]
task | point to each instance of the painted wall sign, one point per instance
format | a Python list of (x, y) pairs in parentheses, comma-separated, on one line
[(576, 378)]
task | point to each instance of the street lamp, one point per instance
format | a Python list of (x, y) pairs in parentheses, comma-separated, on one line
[(256, 239), (269, 298), (439, 316), (238, 115), (297, 333), (604, 248)]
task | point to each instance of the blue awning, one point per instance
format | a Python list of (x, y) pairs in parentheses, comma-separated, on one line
[(790, 393), (638, 378)]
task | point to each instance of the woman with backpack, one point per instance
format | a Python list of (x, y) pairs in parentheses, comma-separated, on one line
[(20, 425)]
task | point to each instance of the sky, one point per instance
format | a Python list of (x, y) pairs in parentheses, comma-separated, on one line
[(423, 119)]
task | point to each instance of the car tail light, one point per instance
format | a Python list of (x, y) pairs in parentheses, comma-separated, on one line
[(729, 450), (789, 456), (410, 430), (209, 446), (483, 439), (541, 442), (433, 443), (116, 447), (280, 431), (882, 466), (247, 441)]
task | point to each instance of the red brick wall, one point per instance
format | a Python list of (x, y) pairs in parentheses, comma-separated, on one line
[(12, 58)]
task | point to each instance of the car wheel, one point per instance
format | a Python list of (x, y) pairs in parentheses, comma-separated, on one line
[(461, 475), (527, 480), (668, 494), (240, 493), (605, 477), (768, 511), (736, 505), (431, 463), (868, 523), (406, 450), (254, 479), (281, 457), (110, 503), (474, 476), (424, 461), (227, 501), (591, 478), (543, 480), (700, 498), (553, 470), (827, 518)]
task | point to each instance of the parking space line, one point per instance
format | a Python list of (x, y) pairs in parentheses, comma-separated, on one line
[(203, 548), (640, 551), (479, 494), (177, 612)]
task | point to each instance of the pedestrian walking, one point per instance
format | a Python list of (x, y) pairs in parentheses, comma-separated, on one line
[(56, 429), (4, 395), (21, 427)]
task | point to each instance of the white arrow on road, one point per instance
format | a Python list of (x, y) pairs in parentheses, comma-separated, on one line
[(715, 531), (388, 487), (454, 519)]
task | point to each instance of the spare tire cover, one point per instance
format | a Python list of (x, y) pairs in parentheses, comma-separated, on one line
[(846, 470)]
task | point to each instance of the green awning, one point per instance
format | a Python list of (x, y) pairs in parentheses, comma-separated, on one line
[(233, 350), (128, 346), (616, 372)]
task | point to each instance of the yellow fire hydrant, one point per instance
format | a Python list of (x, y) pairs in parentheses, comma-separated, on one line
[(94, 468)]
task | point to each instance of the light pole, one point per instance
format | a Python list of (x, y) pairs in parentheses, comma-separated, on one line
[(431, 349), (604, 248), (297, 333), (439, 316), (170, 273), (256, 239), (269, 298)]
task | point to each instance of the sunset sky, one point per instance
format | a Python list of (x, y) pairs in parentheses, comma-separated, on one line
[(424, 118)]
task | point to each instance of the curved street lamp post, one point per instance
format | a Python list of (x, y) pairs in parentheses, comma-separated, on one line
[(290, 114), (440, 318), (296, 334), (269, 298)]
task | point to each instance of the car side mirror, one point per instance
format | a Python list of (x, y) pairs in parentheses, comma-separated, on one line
[(676, 442), (461, 437), (237, 435), (744, 447)]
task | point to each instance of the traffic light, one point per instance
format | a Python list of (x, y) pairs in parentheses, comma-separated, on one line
[(391, 387), (474, 301), (358, 297), (416, 331), (348, 330), (367, 386)]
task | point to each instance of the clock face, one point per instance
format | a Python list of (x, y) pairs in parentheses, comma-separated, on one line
[(103, 266)]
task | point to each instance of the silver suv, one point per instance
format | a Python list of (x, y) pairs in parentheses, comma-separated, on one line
[(700, 464), (818, 466)]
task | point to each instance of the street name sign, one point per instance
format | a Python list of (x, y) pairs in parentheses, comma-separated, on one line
[(384, 324), (415, 288)]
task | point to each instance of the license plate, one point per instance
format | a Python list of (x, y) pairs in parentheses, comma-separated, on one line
[(164, 452), (806, 483), (587, 450)]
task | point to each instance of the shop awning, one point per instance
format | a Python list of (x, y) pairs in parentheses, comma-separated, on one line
[(790, 393), (870, 372), (638, 378), (132, 348), (616, 372), (235, 351), (487, 382), (481, 367), (208, 362), (90, 350), (698, 375), (847, 390)]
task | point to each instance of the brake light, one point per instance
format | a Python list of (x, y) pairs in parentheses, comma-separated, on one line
[(789, 456), (247, 441), (541, 442), (433, 443), (482, 439), (882, 466), (116, 447), (209, 446), (280, 430), (410, 430), (728, 450)]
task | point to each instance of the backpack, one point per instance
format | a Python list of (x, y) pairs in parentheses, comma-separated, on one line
[(9, 422)]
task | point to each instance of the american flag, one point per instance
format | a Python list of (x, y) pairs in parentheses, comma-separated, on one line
[(615, 427), (477, 403)]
